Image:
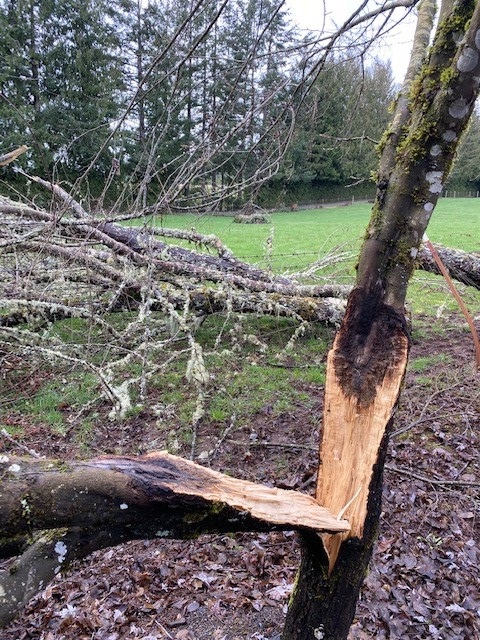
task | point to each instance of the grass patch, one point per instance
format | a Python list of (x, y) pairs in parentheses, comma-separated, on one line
[(425, 363), (254, 388), (312, 375), (254, 370), (12, 429), (46, 405), (299, 238)]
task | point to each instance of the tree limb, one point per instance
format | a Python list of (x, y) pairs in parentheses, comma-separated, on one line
[(145, 495), (83, 506)]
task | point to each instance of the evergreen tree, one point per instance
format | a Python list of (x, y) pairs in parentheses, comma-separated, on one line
[(61, 81), (207, 97), (253, 90), (346, 109), (81, 80), (19, 94), (465, 174)]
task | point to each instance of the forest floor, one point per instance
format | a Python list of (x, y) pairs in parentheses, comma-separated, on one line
[(424, 580)]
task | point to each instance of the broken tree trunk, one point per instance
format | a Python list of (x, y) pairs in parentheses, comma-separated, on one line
[(82, 506), (369, 356), (364, 373)]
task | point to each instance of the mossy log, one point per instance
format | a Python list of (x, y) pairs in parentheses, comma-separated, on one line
[(462, 266)]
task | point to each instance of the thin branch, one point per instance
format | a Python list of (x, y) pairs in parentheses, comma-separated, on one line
[(19, 445), (429, 480), (458, 298)]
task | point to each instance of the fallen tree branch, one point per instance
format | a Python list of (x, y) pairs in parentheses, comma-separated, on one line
[(444, 271), (37, 566), (7, 158), (462, 266), (146, 494)]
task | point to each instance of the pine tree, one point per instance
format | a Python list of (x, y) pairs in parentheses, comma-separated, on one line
[(81, 81), (19, 99)]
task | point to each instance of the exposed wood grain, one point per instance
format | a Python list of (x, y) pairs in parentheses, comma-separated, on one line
[(351, 440)]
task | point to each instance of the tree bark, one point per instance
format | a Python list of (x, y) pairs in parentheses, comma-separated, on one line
[(367, 362), (38, 565), (146, 492)]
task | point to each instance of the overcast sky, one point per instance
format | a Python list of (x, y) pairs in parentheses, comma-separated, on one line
[(309, 14)]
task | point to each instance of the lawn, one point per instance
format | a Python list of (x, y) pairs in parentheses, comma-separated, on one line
[(310, 233), (299, 238)]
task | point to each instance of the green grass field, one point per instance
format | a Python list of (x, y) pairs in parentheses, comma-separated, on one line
[(454, 223), (301, 237)]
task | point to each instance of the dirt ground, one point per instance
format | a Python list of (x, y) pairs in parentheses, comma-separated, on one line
[(424, 580)]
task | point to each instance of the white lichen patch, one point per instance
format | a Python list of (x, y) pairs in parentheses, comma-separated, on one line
[(25, 507), (196, 371), (123, 506), (60, 549), (458, 109), (434, 179), (2, 592), (429, 207), (477, 39), (162, 534), (436, 150), (14, 468), (468, 60), (449, 136), (414, 252), (4, 459), (122, 400)]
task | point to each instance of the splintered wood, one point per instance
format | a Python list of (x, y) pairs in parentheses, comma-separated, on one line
[(352, 436), (276, 506), (156, 486)]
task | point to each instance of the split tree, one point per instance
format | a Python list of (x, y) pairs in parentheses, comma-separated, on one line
[(116, 499), (370, 352)]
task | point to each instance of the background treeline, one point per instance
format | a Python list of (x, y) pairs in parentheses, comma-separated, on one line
[(206, 104)]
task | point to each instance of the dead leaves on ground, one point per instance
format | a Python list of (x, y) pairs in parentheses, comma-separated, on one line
[(151, 590)]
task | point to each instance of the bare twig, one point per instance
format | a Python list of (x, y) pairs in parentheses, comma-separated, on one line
[(428, 480), (19, 445)]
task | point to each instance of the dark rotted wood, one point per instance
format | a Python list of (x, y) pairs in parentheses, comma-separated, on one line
[(370, 332)]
